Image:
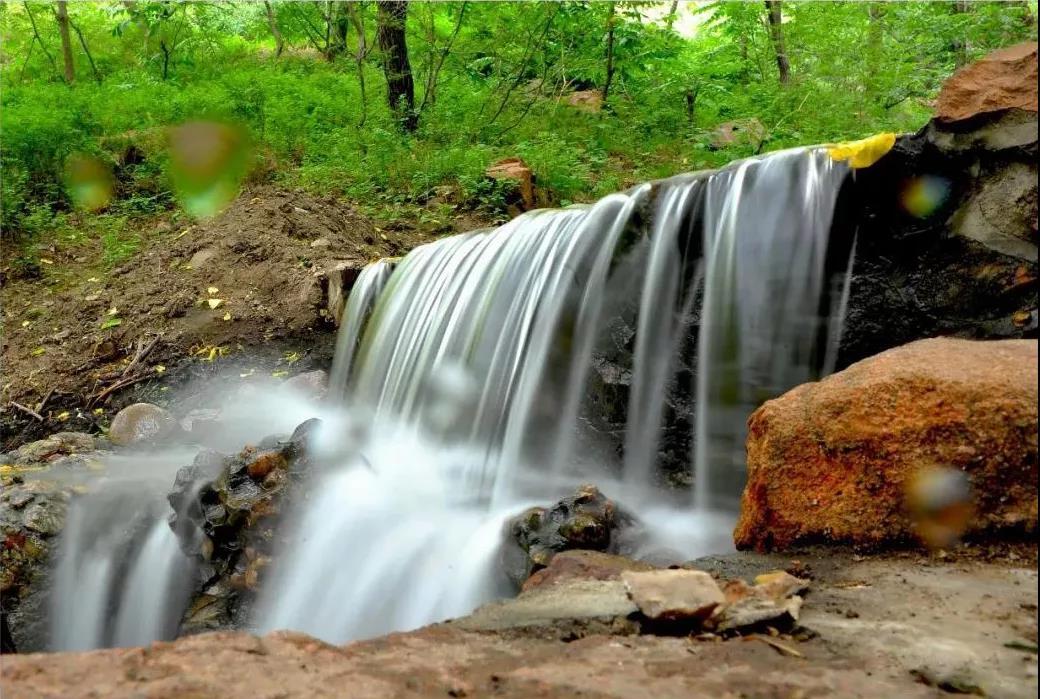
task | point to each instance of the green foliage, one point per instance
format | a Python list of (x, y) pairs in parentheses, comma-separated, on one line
[(492, 80)]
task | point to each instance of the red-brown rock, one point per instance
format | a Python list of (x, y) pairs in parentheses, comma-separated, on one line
[(831, 461), (1005, 79), (582, 565), (515, 169)]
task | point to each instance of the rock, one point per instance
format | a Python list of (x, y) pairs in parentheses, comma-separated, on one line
[(517, 170), (321, 243), (779, 585), (312, 385), (141, 423), (586, 100), (53, 447), (1001, 213), (603, 605), (585, 520), (830, 461), (673, 595), (754, 611), (338, 282), (266, 462), (1005, 79), (582, 565), (742, 132)]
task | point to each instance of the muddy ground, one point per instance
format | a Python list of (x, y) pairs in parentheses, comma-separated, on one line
[(246, 284), (911, 626)]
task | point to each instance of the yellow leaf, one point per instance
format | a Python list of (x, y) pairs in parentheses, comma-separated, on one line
[(25, 323), (99, 411), (159, 368), (227, 316), (45, 261), (38, 351), (215, 303), (64, 415), (863, 153), (94, 279), (212, 290), (212, 355), (112, 311), (279, 374)]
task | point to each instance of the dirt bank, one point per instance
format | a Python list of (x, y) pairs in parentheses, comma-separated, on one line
[(246, 282)]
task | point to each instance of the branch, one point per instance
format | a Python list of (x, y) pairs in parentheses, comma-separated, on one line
[(36, 36)]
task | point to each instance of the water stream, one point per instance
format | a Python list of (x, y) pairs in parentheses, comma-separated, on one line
[(459, 384)]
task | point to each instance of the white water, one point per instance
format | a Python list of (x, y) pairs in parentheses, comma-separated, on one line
[(472, 361), (457, 401)]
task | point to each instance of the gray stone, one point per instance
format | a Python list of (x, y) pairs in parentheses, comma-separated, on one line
[(672, 595), (584, 601), (45, 518), (312, 385), (756, 610), (141, 423), (1002, 212)]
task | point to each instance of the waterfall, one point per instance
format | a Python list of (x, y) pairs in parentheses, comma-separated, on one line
[(121, 578), (469, 361)]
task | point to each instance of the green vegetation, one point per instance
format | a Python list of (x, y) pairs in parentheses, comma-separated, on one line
[(306, 83)]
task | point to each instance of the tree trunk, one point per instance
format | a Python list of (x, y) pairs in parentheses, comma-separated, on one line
[(393, 47), (61, 11), (672, 13), (961, 46), (272, 22), (611, 16), (776, 33)]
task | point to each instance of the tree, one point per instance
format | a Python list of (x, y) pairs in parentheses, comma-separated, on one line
[(611, 17), (61, 12), (272, 22), (776, 33), (393, 49)]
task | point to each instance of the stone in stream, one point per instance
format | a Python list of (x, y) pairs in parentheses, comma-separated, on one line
[(586, 520), (140, 424), (832, 461)]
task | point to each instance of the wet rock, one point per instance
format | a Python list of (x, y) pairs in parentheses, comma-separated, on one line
[(227, 510), (312, 385), (582, 565), (516, 170), (585, 520), (1004, 79), (52, 448), (673, 595), (831, 461), (140, 424)]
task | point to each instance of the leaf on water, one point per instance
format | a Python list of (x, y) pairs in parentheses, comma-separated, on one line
[(214, 303), (862, 153), (111, 323)]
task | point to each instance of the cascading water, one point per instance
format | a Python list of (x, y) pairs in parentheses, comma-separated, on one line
[(121, 578), (469, 361)]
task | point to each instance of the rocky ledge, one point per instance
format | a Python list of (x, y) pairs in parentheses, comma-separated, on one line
[(911, 627)]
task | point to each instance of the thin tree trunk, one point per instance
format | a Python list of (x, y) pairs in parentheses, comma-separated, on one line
[(272, 22), (671, 13), (61, 12), (83, 43), (430, 93), (961, 46), (611, 16), (359, 57), (37, 39), (776, 33), (393, 47)]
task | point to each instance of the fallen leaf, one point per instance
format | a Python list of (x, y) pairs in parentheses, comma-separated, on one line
[(112, 311), (94, 279), (111, 323), (25, 323), (215, 303), (279, 374), (64, 415), (779, 647), (38, 351), (212, 290), (227, 316), (45, 261), (159, 368)]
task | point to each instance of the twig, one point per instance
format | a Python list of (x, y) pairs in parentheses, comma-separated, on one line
[(43, 403), (142, 352), (779, 647), (115, 387), (28, 411)]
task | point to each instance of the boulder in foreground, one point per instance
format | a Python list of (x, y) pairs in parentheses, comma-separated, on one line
[(832, 461)]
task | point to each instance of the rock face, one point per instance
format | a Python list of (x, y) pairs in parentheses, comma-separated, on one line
[(141, 423), (585, 520), (1005, 79), (831, 461)]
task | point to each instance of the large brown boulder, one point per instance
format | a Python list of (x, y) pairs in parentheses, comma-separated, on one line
[(832, 461), (517, 170), (1005, 79)]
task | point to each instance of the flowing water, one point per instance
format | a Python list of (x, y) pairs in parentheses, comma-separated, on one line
[(459, 397)]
